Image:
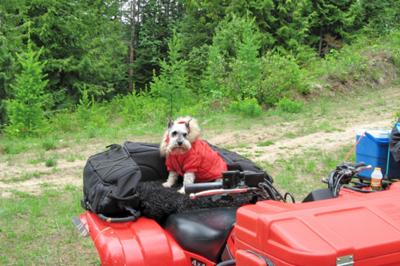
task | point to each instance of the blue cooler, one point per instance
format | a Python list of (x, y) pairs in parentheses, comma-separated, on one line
[(373, 149)]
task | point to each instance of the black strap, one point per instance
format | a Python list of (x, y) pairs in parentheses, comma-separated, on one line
[(116, 219), (135, 215)]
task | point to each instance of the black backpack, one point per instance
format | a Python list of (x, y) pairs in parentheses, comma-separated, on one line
[(110, 179), (147, 157)]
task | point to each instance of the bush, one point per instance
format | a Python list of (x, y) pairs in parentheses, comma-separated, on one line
[(247, 107), (289, 106), (342, 66), (65, 121), (91, 114), (141, 108), (282, 78)]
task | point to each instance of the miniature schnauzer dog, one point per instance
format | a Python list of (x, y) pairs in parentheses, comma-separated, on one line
[(189, 156)]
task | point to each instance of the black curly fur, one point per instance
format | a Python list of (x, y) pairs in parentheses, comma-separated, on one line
[(158, 202)]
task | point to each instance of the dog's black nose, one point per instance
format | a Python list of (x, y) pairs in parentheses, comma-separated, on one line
[(180, 143)]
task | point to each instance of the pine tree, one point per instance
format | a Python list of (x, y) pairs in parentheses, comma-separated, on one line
[(171, 84), (332, 21), (155, 23), (246, 67), (25, 110), (234, 66)]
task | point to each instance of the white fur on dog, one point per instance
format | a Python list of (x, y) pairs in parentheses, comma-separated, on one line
[(177, 139), (193, 134)]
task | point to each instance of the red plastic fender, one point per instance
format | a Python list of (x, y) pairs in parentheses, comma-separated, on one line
[(143, 242)]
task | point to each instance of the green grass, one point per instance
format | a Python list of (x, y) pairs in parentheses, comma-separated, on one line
[(265, 143), (302, 173), (38, 158), (50, 162), (23, 177), (37, 230), (49, 143), (12, 146)]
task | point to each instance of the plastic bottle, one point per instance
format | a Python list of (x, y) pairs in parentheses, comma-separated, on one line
[(376, 179)]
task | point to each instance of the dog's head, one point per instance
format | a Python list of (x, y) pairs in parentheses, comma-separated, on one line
[(179, 136)]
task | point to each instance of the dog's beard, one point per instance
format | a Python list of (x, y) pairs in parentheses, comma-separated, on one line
[(178, 149)]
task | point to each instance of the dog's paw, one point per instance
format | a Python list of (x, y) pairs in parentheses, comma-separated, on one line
[(182, 190), (167, 184)]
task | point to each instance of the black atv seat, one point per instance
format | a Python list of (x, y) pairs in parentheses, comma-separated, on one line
[(202, 231)]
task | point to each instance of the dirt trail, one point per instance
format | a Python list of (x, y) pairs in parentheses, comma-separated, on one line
[(325, 141), (23, 176)]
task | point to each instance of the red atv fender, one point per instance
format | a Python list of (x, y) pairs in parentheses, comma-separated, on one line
[(143, 242)]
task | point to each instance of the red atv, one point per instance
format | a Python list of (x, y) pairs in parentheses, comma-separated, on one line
[(345, 224)]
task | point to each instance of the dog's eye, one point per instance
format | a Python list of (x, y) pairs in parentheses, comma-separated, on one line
[(174, 133), (184, 135)]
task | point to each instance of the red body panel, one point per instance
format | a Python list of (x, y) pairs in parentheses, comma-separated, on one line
[(140, 243), (366, 226)]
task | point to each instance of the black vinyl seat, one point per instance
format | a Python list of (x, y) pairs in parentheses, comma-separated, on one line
[(202, 231)]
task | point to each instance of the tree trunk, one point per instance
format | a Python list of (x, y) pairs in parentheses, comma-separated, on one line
[(320, 41), (132, 43)]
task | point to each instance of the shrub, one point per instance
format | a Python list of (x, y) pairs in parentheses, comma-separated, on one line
[(289, 106), (342, 66), (65, 121), (91, 114), (247, 107), (141, 107), (282, 77)]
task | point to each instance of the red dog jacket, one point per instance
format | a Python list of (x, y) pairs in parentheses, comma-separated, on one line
[(201, 160)]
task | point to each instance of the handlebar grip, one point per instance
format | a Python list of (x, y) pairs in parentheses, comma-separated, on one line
[(194, 188)]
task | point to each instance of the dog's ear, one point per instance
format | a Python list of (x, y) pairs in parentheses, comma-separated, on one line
[(170, 123), (187, 124)]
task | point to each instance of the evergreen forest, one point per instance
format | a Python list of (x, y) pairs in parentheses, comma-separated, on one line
[(68, 65)]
